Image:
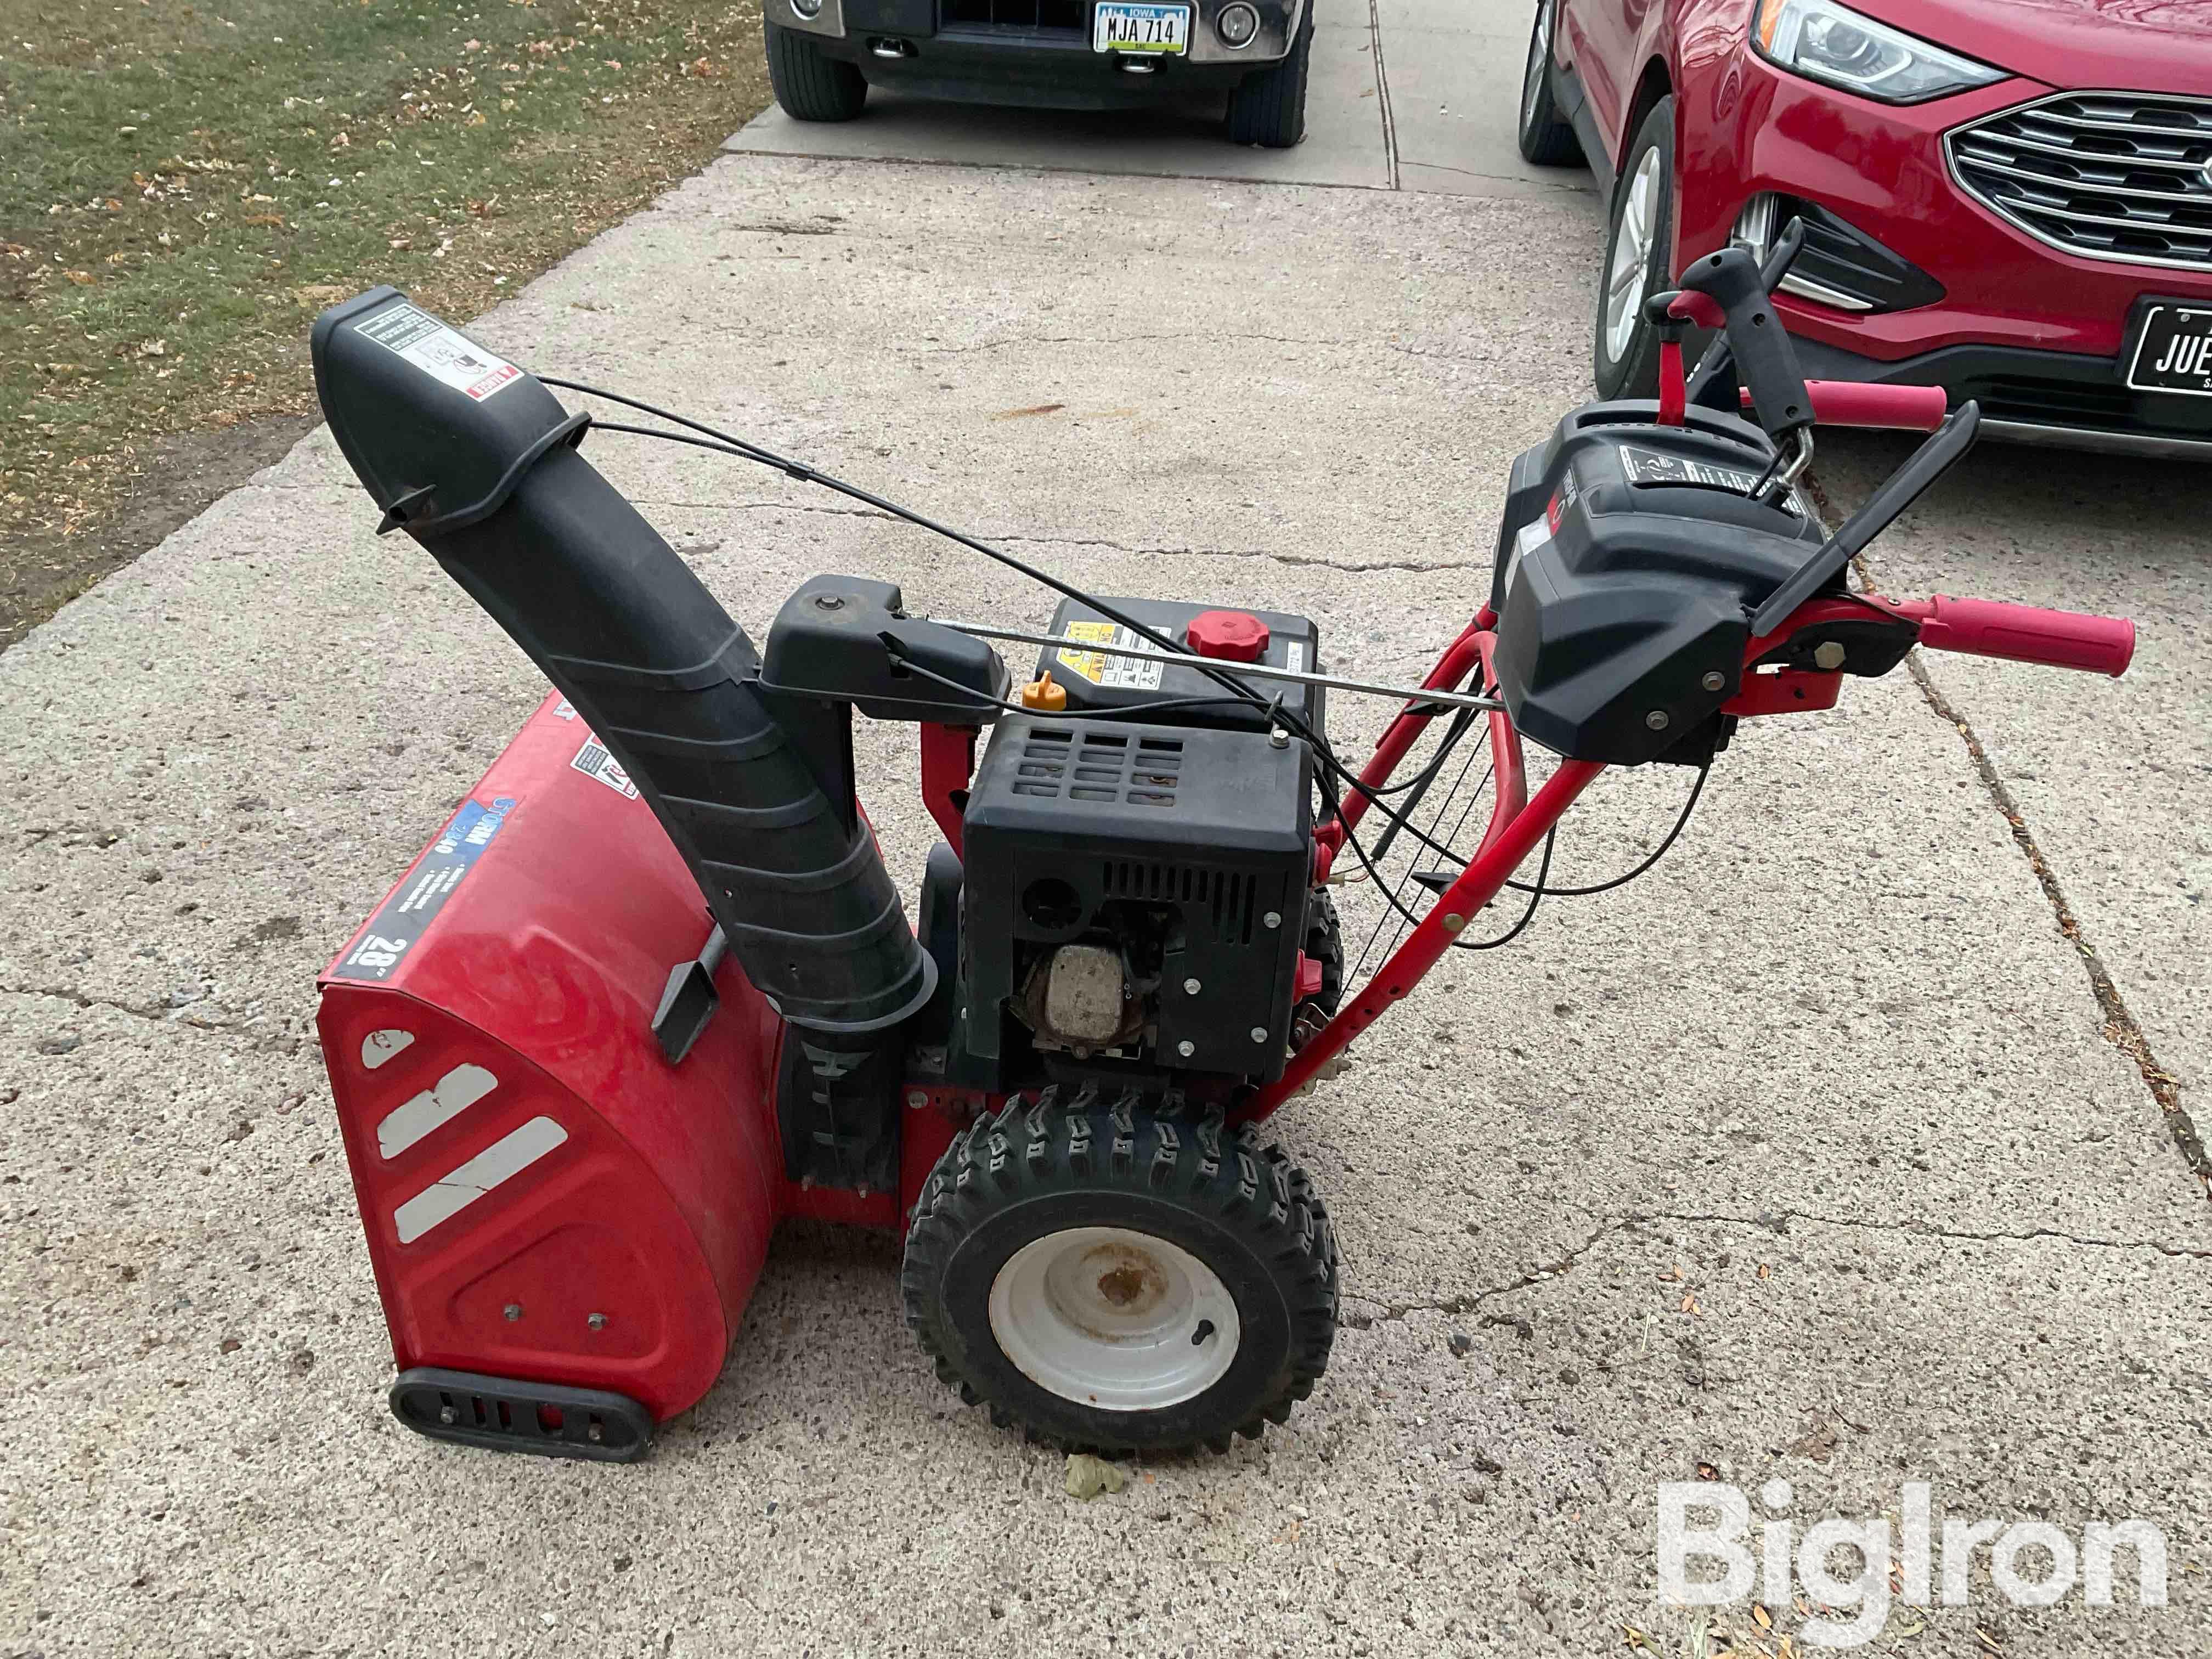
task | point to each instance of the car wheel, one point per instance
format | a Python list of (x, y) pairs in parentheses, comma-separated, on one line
[(1638, 260), (1545, 139), (1269, 107), (809, 85)]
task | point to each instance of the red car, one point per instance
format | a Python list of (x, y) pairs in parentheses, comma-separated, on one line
[(2011, 199)]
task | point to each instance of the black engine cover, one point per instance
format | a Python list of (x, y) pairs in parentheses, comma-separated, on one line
[(1174, 844), (1631, 558)]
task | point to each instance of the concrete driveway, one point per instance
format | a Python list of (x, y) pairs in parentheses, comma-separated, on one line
[(1826, 1153), (1406, 95)]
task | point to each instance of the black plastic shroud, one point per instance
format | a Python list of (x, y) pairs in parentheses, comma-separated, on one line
[(1629, 562)]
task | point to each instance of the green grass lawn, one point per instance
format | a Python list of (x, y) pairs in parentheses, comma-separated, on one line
[(183, 186)]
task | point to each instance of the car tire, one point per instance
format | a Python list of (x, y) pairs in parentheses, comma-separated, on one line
[(1269, 107), (809, 85), (1546, 137), (1111, 1276), (1640, 251)]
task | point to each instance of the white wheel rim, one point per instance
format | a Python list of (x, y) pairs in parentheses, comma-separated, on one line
[(1540, 40), (1631, 267), (1114, 1319)]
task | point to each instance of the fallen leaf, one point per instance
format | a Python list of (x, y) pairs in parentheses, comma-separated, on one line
[(273, 219), (83, 278), (1765, 1272), (1088, 1476), (1013, 414), (153, 348), (1761, 1617)]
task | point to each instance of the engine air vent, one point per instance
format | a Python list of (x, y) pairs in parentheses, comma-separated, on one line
[(1099, 766), (1225, 898)]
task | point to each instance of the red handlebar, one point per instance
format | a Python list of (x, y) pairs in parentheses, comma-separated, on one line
[(2057, 638), (1849, 402)]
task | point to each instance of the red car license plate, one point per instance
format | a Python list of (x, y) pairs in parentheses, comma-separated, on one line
[(2173, 352)]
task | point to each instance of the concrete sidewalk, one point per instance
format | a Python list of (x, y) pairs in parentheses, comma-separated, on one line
[(1808, 1156)]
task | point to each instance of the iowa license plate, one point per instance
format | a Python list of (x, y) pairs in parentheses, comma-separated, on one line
[(1121, 26), (2174, 353)]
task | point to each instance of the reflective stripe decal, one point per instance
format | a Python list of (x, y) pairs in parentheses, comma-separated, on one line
[(454, 1093), (455, 1191), (380, 1046)]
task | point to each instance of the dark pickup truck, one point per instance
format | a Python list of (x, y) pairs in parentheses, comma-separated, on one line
[(823, 55)]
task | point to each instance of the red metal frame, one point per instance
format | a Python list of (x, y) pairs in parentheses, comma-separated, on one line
[(1517, 823), (948, 761), (1482, 879)]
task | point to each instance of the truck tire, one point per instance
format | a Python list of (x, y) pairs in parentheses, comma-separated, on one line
[(1269, 107), (809, 85), (1113, 1278)]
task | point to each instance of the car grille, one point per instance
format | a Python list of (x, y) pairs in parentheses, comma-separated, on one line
[(1054, 14), (2110, 175)]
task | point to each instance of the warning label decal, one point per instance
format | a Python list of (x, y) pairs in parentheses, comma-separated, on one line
[(1649, 467), (439, 352), (1113, 672), (406, 915), (593, 762)]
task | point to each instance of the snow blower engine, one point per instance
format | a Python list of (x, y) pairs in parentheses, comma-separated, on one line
[(651, 988)]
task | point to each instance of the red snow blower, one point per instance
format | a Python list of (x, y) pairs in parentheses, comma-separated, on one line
[(653, 989)]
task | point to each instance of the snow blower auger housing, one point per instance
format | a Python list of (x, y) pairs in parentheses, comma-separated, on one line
[(652, 988)]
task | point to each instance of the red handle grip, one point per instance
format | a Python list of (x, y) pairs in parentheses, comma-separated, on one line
[(2057, 638), (1849, 402), (1692, 307)]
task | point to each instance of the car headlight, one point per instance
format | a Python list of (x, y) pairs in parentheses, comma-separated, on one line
[(1825, 41)]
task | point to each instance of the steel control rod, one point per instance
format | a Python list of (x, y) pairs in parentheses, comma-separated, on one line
[(1224, 666)]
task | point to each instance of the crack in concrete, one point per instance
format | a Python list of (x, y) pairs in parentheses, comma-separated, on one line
[(1469, 1304), (1299, 560), (158, 1013), (1382, 94), (1926, 1229), (1005, 340), (1765, 1221), (2120, 1029)]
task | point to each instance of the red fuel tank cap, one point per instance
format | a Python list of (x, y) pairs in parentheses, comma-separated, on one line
[(1232, 634)]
